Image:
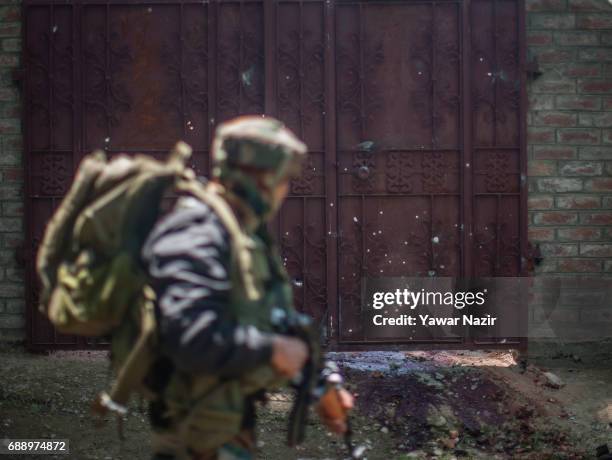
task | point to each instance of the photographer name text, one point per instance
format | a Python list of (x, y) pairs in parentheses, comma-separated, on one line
[(407, 299)]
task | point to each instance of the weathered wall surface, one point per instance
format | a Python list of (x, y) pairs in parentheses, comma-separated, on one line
[(570, 134), (12, 316), (570, 145)]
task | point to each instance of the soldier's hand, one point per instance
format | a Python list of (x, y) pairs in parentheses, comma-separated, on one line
[(288, 355), (333, 408)]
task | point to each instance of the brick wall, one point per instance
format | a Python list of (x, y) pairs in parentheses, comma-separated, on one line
[(12, 316), (570, 134)]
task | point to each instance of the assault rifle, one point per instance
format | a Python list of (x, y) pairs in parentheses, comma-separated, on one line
[(315, 380)]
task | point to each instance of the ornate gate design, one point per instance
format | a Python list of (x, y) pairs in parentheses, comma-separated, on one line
[(413, 112)]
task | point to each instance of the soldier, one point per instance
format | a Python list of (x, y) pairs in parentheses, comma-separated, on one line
[(217, 284)]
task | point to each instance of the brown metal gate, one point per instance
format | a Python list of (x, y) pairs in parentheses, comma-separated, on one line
[(413, 111)]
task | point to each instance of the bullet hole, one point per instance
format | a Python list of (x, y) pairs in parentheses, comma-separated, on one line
[(247, 76)]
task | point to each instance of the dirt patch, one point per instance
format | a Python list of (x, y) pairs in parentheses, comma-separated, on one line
[(409, 405)]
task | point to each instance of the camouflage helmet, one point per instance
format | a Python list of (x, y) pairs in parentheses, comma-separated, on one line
[(257, 142)]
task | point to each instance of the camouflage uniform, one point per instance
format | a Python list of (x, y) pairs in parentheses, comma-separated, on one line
[(213, 309)]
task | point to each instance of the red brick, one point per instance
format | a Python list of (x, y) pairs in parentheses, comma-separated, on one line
[(579, 136), (553, 118), (555, 218), (577, 38), (579, 265), (552, 21), (11, 45), (606, 38), (559, 250), (595, 119), (596, 249), (595, 86), (545, 5), (11, 224), (581, 168), (13, 174), (12, 143), (12, 240), (595, 54), (540, 201), (585, 6), (11, 192), (579, 234), (541, 234), (10, 30), (542, 168), (586, 69), (541, 135), (594, 21), (596, 218), (578, 202), (10, 14), (538, 38), (553, 87), (541, 101), (554, 55), (556, 152), (607, 202), (578, 102), (559, 185), (599, 184), (9, 60), (600, 152), (12, 209)]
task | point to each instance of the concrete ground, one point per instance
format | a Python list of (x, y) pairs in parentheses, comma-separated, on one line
[(410, 405)]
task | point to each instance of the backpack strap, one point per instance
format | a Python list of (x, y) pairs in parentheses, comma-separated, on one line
[(138, 362), (241, 243)]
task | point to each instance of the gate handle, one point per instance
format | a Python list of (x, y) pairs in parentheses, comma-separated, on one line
[(362, 172)]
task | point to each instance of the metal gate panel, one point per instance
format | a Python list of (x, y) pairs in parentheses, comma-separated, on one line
[(298, 50), (399, 146), (413, 112)]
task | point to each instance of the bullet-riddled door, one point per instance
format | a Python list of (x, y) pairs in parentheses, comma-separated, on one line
[(413, 113)]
